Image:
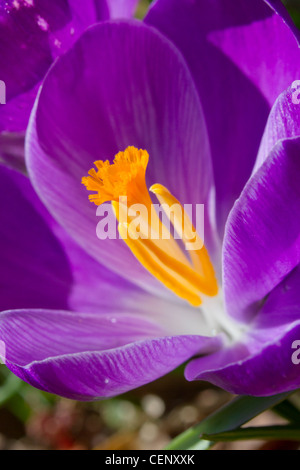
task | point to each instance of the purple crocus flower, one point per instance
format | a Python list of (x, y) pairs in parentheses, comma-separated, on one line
[(208, 89), (33, 33)]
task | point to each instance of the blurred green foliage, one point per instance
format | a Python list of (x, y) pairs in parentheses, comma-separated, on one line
[(293, 7), (20, 398), (142, 8)]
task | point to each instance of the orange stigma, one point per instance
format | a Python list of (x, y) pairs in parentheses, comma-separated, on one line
[(187, 272)]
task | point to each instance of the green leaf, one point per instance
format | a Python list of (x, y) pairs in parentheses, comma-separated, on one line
[(231, 416), (10, 388), (289, 432), (287, 410), (293, 8)]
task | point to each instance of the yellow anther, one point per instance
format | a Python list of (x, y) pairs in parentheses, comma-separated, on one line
[(153, 244)]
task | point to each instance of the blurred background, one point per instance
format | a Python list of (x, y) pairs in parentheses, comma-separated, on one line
[(146, 418), (294, 8)]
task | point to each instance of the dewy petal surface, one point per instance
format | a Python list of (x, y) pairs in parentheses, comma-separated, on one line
[(238, 77), (262, 236), (24, 24), (261, 363), (86, 357), (138, 92), (32, 34)]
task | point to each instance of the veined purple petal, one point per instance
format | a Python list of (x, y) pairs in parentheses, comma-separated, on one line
[(261, 366), (265, 361), (262, 236), (41, 266), (87, 357), (32, 34), (121, 84), (283, 122), (278, 6), (282, 305), (238, 77), (24, 24)]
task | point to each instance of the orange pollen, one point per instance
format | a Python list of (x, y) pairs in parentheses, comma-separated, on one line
[(189, 274), (124, 177)]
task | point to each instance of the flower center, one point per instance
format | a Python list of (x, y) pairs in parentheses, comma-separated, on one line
[(184, 267)]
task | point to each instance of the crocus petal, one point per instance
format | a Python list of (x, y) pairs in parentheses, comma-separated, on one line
[(121, 8), (283, 122), (282, 305), (40, 265), (278, 6), (87, 357), (262, 369), (32, 34), (24, 24), (138, 92), (14, 115), (262, 236), (237, 77), (12, 151), (54, 26), (14, 118), (263, 362)]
